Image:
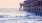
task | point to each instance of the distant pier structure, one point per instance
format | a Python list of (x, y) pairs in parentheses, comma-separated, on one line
[(32, 6)]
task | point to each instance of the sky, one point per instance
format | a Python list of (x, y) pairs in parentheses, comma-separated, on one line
[(10, 3)]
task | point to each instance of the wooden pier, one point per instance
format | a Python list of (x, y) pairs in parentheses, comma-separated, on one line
[(33, 6)]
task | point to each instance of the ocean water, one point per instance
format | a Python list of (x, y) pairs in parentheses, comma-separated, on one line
[(14, 15)]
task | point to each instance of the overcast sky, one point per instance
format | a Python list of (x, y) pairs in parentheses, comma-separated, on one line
[(10, 3)]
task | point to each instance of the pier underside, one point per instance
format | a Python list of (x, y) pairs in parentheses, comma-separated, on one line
[(33, 7)]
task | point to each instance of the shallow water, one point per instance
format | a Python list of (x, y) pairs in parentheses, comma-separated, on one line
[(14, 15)]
